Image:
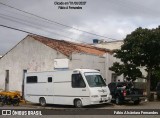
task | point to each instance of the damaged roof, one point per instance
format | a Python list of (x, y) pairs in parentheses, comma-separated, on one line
[(67, 48)]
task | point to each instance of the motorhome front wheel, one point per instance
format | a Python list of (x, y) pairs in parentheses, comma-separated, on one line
[(78, 103)]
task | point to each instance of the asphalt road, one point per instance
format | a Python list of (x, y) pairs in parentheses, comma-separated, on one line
[(143, 105)]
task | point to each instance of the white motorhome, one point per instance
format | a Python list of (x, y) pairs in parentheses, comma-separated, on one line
[(79, 87)]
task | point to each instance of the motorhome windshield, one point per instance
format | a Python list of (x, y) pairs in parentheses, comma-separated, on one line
[(95, 80)]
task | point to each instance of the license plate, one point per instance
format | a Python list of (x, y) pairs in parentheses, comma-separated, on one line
[(104, 99)]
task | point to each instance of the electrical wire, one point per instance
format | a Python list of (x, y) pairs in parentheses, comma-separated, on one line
[(69, 33), (34, 26), (56, 22)]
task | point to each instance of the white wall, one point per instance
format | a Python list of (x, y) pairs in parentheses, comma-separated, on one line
[(34, 56), (80, 60), (95, 62), (109, 60), (28, 54)]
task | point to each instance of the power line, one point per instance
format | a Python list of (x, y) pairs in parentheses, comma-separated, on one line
[(23, 30), (55, 21), (36, 23), (27, 23), (31, 24), (17, 29), (13, 20)]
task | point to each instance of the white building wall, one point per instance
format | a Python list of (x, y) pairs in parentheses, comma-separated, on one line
[(30, 55), (109, 60), (108, 63), (87, 61), (95, 62)]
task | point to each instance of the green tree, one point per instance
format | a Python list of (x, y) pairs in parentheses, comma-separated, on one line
[(155, 78), (141, 48), (130, 72)]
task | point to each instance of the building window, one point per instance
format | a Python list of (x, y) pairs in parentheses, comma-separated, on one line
[(7, 81), (32, 79), (49, 79), (77, 81), (7, 76), (114, 77)]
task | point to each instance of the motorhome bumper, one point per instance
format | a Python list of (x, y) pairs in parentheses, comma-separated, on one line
[(105, 101), (102, 100)]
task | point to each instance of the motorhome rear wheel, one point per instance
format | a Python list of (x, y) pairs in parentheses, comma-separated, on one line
[(42, 102)]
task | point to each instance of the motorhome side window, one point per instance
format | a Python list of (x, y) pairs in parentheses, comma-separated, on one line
[(49, 79), (32, 79), (77, 81)]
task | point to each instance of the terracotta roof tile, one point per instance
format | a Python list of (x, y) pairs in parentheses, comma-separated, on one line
[(67, 48)]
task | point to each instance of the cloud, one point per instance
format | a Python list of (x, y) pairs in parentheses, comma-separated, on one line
[(111, 18), (8, 39)]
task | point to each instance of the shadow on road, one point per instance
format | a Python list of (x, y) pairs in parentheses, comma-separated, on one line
[(71, 107), (131, 104)]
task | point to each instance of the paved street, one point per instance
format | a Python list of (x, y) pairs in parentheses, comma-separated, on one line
[(143, 105)]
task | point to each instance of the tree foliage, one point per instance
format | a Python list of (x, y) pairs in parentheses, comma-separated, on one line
[(130, 71), (155, 76), (141, 48)]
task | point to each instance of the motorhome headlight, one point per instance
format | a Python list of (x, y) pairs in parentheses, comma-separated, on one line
[(94, 96)]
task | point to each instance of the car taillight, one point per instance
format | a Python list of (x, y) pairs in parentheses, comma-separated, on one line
[(124, 92)]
